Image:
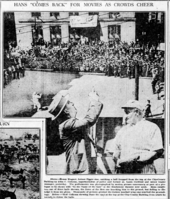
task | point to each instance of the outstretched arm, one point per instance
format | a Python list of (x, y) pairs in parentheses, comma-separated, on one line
[(89, 120), (93, 112)]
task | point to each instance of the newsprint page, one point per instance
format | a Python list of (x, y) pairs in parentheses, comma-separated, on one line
[(84, 100)]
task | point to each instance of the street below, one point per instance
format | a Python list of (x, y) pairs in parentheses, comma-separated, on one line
[(113, 92)]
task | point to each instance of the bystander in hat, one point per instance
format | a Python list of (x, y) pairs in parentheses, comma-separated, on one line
[(133, 104)]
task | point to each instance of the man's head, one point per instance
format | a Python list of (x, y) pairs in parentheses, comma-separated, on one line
[(133, 112), (148, 101), (69, 110), (61, 107)]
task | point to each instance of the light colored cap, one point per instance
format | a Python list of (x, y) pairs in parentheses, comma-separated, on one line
[(133, 104)]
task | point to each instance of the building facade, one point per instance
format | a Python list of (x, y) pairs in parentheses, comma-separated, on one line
[(56, 27)]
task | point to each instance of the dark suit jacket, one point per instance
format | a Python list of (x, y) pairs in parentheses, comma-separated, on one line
[(77, 142)]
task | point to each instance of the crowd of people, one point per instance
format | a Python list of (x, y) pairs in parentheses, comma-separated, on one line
[(117, 59), (13, 72)]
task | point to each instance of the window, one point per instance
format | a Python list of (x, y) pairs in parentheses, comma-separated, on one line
[(154, 16), (37, 35), (93, 13), (55, 34), (73, 13), (36, 14), (55, 14), (114, 32), (74, 34)]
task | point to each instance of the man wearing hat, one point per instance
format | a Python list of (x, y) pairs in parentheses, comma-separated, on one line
[(74, 133), (138, 143)]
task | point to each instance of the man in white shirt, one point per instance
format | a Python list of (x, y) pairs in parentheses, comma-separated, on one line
[(138, 143)]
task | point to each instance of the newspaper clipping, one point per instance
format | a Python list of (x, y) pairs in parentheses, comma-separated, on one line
[(85, 109)]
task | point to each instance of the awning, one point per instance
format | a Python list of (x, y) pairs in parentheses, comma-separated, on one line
[(83, 21)]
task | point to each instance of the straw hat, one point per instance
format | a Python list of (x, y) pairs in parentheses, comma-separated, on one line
[(56, 107)]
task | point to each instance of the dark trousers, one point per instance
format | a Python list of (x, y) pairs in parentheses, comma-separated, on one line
[(153, 85), (136, 167), (18, 75)]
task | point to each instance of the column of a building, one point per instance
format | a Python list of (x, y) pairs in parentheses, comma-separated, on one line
[(128, 30), (23, 30), (65, 27), (104, 26), (104, 32), (46, 27)]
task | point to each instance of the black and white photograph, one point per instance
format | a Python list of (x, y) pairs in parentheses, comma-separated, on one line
[(19, 163), (99, 80)]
